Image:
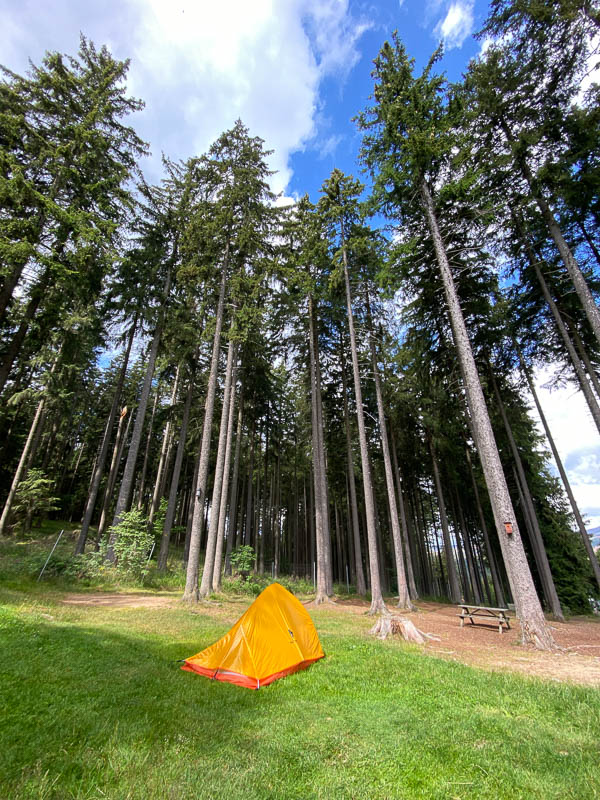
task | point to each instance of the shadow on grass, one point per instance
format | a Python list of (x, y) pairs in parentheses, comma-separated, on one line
[(92, 711), (91, 705)]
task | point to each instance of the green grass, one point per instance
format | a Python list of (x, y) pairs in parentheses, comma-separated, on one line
[(94, 705)]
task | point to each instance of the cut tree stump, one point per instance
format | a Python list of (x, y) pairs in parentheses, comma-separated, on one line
[(388, 625)]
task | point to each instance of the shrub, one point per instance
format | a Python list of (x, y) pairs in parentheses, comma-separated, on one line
[(33, 498), (133, 542), (242, 559)]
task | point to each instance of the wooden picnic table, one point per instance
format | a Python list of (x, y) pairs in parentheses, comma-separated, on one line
[(500, 615)]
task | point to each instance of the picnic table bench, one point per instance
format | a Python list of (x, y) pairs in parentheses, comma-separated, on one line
[(483, 612)]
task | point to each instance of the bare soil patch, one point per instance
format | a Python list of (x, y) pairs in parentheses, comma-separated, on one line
[(480, 645), (118, 600)]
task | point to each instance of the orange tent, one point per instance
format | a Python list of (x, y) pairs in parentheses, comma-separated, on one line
[(272, 639)]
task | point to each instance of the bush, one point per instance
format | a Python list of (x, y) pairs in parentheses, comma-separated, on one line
[(242, 559), (33, 499), (133, 543)]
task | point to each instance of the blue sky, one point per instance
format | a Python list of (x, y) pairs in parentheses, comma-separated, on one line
[(296, 72)]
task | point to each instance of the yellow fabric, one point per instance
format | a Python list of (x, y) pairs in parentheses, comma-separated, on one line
[(273, 635)]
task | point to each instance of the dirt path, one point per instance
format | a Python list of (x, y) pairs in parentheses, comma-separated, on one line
[(118, 600), (578, 660)]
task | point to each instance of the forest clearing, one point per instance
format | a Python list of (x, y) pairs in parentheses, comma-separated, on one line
[(209, 387), (94, 704)]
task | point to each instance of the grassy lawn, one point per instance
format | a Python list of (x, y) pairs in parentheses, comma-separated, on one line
[(94, 705)]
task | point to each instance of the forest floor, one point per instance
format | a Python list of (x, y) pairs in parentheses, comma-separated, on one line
[(94, 705), (576, 661)]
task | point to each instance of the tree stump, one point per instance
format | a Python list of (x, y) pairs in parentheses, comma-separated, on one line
[(388, 626)]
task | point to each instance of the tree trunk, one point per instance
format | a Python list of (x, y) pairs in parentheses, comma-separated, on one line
[(104, 447), (562, 473), (126, 489), (501, 602), (250, 487), (583, 292), (575, 360), (412, 586), (172, 502), (528, 608), (582, 352), (190, 513), (377, 603), (221, 480), (191, 594), (404, 600), (27, 453), (318, 460), (529, 509), (120, 440), (361, 587), (163, 461), (233, 500), (455, 592), (15, 344), (21, 468), (141, 487)]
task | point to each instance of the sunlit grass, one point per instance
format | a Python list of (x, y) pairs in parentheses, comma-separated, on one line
[(94, 705)]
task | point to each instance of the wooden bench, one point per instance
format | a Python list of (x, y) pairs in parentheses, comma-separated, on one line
[(484, 612)]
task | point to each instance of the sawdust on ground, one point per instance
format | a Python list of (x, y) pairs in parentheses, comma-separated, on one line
[(577, 659)]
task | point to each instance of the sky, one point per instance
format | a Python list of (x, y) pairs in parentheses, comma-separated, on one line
[(296, 72)]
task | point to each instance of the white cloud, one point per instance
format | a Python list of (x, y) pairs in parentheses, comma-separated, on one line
[(328, 146), (457, 24), (577, 441), (261, 61), (485, 46), (200, 65)]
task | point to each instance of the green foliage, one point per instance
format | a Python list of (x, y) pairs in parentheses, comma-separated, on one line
[(133, 543), (255, 584), (242, 558), (159, 519), (33, 498)]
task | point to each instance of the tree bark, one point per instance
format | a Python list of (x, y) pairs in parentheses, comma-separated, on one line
[(191, 594), (562, 473), (575, 360), (220, 487), (163, 461), (377, 603), (486, 538), (454, 586), (583, 292), (361, 587), (104, 447), (528, 608), (141, 487), (233, 500), (119, 445), (536, 534), (404, 600), (412, 586), (225, 488), (321, 511), (21, 467), (172, 502), (126, 489)]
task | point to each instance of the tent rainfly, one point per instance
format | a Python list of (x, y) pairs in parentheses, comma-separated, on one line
[(272, 639)]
